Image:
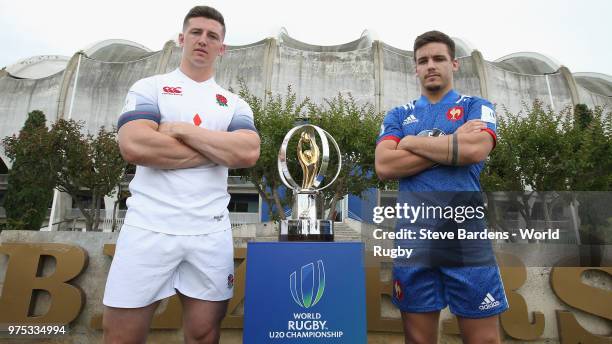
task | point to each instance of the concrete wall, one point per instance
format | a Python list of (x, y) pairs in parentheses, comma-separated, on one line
[(511, 90), (101, 89), (466, 79), (536, 291), (175, 59), (246, 63), (372, 71), (593, 99), (594, 82), (399, 81), (20, 96), (320, 75)]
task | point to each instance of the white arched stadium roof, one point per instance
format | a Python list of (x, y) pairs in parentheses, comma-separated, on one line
[(462, 47), (519, 60), (37, 67), (95, 47)]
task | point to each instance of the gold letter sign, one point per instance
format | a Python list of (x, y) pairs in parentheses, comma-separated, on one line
[(23, 278)]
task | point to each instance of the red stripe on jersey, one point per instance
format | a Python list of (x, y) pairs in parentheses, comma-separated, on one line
[(492, 133), (389, 137)]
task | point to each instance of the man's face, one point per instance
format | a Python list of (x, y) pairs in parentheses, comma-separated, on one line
[(434, 67), (202, 41)]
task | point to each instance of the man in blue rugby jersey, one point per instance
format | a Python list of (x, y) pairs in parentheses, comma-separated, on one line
[(439, 143)]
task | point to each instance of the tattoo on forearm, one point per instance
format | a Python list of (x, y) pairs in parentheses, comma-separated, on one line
[(455, 150)]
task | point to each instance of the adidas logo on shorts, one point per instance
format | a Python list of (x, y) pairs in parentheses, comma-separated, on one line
[(488, 303)]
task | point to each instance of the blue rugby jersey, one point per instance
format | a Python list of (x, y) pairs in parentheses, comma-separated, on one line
[(447, 115)]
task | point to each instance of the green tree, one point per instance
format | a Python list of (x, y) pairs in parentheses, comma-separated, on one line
[(591, 170), (86, 165), (530, 156), (355, 128), (31, 178), (590, 136), (273, 120), (541, 150), (546, 151)]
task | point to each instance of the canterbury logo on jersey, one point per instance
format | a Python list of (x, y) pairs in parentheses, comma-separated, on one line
[(175, 91), (409, 120), (488, 303)]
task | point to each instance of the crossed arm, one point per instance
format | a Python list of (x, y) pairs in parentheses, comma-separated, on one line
[(175, 145), (235, 149), (414, 154)]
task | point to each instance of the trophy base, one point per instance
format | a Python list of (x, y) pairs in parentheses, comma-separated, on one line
[(306, 230)]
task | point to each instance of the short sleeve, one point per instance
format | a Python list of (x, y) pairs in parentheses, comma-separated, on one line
[(140, 103), (483, 110), (391, 128), (243, 117)]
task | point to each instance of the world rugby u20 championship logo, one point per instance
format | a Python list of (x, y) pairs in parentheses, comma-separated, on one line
[(304, 293)]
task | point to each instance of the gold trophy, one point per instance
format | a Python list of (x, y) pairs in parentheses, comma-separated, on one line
[(309, 159), (305, 223)]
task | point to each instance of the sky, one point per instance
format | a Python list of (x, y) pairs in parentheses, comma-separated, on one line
[(577, 34)]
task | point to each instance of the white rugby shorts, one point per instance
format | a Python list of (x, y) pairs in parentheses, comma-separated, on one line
[(149, 266)]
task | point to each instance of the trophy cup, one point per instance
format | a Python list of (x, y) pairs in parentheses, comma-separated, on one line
[(305, 223)]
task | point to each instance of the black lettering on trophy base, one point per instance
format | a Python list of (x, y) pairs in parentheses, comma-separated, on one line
[(295, 232)]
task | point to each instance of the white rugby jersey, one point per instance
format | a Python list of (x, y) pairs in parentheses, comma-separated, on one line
[(182, 201)]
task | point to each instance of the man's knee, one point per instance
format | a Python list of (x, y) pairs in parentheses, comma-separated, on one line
[(480, 331), (421, 328), (110, 327), (482, 338), (421, 335), (202, 319), (113, 333), (204, 334), (126, 326), (418, 338)]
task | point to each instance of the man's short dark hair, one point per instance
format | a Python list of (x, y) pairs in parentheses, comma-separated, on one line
[(434, 37), (206, 12)]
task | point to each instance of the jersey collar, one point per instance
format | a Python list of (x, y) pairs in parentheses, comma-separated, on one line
[(450, 97), (209, 81)]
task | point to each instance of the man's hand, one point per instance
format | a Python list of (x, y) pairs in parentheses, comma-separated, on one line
[(468, 145), (404, 143), (471, 126), (173, 129), (142, 143), (394, 163), (233, 149)]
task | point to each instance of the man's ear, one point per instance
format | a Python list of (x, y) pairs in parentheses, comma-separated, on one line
[(181, 39)]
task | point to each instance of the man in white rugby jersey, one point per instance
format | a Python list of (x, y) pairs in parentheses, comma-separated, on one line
[(183, 131)]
